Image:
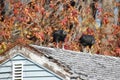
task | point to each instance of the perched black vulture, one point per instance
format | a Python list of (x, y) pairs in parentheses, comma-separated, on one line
[(87, 40), (59, 36)]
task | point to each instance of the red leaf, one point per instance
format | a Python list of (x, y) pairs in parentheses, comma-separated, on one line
[(16, 11), (42, 11), (90, 31), (64, 21), (67, 46), (40, 35), (105, 20), (74, 12), (117, 51), (37, 8), (52, 5)]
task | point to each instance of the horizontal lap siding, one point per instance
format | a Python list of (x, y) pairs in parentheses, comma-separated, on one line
[(31, 71), (6, 71), (37, 73), (42, 78)]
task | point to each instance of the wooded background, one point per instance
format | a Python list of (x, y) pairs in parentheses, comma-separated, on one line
[(33, 21)]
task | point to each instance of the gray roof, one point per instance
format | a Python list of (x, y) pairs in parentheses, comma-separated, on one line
[(87, 66)]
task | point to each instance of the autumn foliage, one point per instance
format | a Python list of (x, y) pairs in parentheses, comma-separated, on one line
[(34, 21)]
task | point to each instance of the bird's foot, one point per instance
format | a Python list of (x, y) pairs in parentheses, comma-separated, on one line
[(89, 52), (63, 48)]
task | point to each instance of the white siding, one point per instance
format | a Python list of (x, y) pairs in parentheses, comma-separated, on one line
[(31, 71), (42, 78)]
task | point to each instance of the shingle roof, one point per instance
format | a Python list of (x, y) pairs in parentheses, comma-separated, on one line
[(86, 66)]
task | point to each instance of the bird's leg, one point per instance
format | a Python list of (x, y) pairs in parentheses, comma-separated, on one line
[(63, 46), (40, 43), (90, 49), (84, 49), (57, 44)]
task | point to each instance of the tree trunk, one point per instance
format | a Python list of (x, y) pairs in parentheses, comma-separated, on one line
[(108, 7)]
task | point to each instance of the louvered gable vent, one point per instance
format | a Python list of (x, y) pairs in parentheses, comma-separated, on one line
[(17, 71)]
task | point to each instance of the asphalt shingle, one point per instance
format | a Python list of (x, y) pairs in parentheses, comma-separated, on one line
[(87, 66)]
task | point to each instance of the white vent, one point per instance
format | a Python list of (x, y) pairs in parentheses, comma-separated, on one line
[(17, 71)]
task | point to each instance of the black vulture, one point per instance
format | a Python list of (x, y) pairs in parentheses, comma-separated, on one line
[(59, 36), (87, 40)]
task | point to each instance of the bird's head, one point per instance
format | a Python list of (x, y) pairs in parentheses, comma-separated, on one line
[(64, 33)]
